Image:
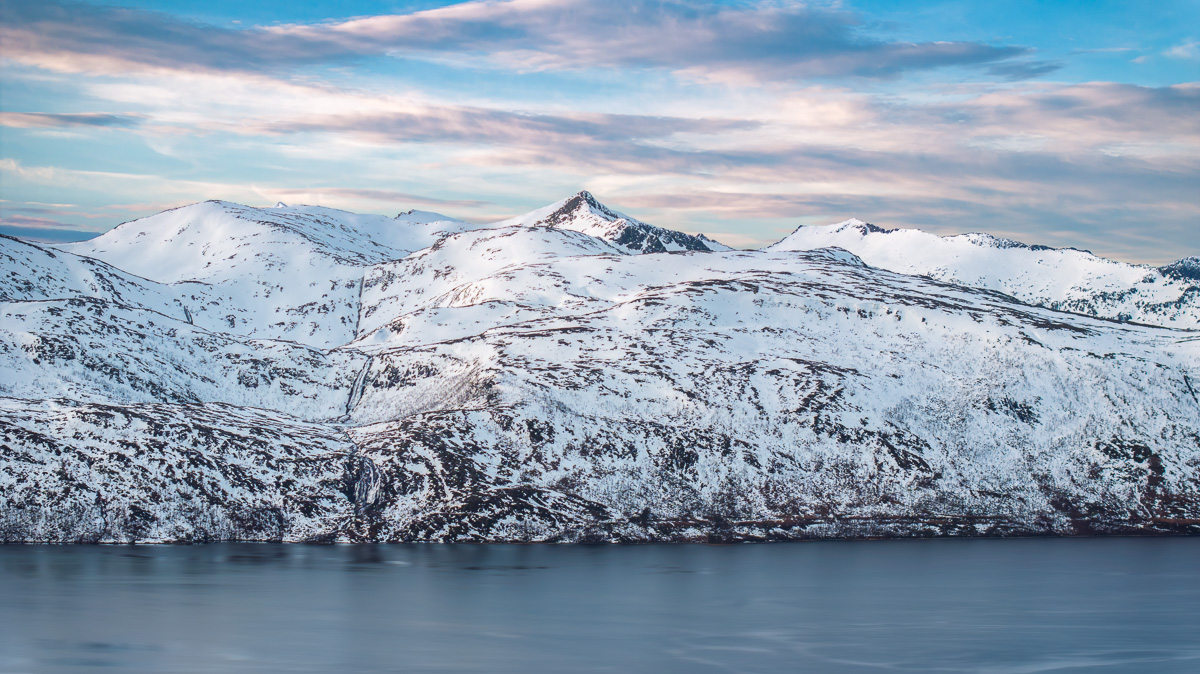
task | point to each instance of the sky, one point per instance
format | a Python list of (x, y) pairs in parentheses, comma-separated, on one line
[(1056, 123)]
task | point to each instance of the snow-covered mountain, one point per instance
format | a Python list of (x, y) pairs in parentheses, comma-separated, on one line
[(582, 213), (276, 273), (298, 373), (1064, 279)]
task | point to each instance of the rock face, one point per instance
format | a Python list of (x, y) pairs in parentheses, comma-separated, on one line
[(571, 375), (582, 213)]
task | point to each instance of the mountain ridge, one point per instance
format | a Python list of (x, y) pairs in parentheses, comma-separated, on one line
[(583, 213), (528, 381), (1067, 279)]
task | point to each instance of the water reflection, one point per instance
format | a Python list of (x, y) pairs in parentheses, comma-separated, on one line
[(1118, 605)]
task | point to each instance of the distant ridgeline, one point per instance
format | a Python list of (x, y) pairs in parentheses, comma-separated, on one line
[(220, 372)]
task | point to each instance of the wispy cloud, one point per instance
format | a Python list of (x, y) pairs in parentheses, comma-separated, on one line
[(117, 185), (79, 37), (782, 40), (49, 120), (17, 220), (1189, 49), (1014, 71), (45, 234), (1102, 50), (769, 40), (744, 115), (41, 224), (323, 194), (459, 124), (35, 211)]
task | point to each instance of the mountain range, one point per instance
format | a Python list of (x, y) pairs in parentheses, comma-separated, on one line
[(1059, 278), (298, 373)]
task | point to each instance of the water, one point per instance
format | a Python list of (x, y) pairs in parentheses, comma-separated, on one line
[(1004, 606)]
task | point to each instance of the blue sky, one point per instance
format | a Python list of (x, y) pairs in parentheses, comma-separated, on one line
[(1059, 123)]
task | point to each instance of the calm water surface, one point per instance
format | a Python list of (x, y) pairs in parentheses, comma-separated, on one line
[(1015, 606)]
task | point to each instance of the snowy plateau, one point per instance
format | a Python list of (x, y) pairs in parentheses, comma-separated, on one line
[(298, 373)]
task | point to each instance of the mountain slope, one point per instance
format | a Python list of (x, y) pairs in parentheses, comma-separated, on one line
[(273, 273), (1065, 279), (216, 241), (32, 272), (293, 272), (114, 473), (532, 381), (745, 395), (96, 351), (583, 213), (479, 275)]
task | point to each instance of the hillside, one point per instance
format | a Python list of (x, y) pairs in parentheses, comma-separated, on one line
[(302, 374), (1064, 279)]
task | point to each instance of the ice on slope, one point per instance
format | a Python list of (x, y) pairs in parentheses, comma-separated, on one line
[(1065, 279)]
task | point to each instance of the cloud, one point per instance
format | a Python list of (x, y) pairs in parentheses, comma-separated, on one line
[(26, 223), (1002, 157), (78, 37), (1102, 50), (111, 184), (48, 120), (34, 210), (60, 210), (501, 128), (115, 185), (322, 194), (1023, 70), (777, 40), (367, 123), (46, 235), (32, 222), (1189, 49), (1088, 115), (782, 40), (1048, 144)]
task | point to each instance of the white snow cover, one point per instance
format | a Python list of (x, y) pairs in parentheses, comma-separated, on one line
[(300, 373), (288, 272), (1066, 279), (217, 240), (582, 213)]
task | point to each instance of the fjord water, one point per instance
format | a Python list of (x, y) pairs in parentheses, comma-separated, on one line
[(1034, 605)]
